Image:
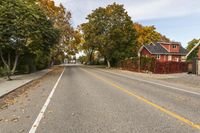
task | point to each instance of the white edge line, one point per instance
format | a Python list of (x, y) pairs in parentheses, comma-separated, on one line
[(41, 114), (171, 87)]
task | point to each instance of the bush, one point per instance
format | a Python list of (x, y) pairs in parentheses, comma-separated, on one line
[(147, 63), (42, 60), (29, 62), (3, 71), (26, 64)]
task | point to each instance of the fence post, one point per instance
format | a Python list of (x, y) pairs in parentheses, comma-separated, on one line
[(139, 64)]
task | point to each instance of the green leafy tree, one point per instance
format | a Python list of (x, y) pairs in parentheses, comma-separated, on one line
[(191, 44), (69, 37), (23, 27), (89, 44), (109, 30)]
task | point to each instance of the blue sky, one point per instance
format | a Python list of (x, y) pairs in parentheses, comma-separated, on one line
[(177, 19)]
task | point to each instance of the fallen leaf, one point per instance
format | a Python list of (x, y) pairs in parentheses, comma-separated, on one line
[(27, 116), (15, 119), (21, 131)]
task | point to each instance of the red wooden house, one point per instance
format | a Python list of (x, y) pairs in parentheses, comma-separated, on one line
[(164, 51)]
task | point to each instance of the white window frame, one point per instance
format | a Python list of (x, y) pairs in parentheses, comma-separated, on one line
[(174, 46), (158, 56)]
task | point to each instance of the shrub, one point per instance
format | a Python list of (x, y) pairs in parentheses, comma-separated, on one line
[(3, 71), (147, 63), (43, 60)]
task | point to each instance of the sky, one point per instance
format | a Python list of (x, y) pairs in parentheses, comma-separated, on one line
[(179, 20)]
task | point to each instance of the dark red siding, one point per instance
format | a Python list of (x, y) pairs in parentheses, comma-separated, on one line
[(166, 46), (177, 49), (169, 47), (163, 58)]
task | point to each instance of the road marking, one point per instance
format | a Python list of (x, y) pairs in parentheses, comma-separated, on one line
[(41, 114), (150, 82), (170, 113)]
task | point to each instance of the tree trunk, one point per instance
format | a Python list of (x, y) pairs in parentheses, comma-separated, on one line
[(90, 57), (9, 76), (52, 62), (9, 59), (3, 60), (8, 68), (15, 64), (7, 65), (108, 63)]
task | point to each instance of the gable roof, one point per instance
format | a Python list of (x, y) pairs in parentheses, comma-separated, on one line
[(156, 48)]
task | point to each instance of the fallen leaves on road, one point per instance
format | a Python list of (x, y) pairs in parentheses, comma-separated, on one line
[(11, 98)]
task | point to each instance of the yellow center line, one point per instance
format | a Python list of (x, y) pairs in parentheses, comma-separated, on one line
[(170, 113)]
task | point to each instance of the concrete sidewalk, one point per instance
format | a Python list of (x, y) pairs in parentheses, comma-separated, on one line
[(19, 80)]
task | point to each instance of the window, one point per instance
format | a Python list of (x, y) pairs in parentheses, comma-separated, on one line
[(173, 46), (169, 57), (157, 56)]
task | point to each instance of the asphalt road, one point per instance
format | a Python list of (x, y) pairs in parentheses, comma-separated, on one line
[(88, 100)]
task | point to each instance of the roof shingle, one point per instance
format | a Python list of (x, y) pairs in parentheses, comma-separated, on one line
[(156, 48)]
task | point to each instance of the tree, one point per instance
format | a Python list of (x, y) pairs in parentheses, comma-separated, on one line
[(68, 40), (23, 27), (147, 34), (89, 45), (109, 30), (191, 44)]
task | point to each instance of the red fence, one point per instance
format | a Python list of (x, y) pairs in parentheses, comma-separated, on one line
[(170, 67), (154, 66)]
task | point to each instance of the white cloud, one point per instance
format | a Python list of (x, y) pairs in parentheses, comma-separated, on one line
[(137, 9), (156, 9)]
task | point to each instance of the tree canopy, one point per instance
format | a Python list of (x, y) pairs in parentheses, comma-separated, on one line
[(24, 28), (109, 30), (191, 44), (148, 34), (69, 37), (35, 34)]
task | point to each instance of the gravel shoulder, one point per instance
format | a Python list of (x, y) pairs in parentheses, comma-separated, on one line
[(188, 82), (185, 79)]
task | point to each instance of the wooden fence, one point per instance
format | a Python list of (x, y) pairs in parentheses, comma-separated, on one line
[(151, 65), (170, 67)]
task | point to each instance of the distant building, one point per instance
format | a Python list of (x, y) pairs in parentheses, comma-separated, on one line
[(164, 51)]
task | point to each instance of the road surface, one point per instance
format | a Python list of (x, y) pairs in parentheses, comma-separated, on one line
[(79, 99)]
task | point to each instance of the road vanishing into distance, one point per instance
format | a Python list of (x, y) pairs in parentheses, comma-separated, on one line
[(80, 99)]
